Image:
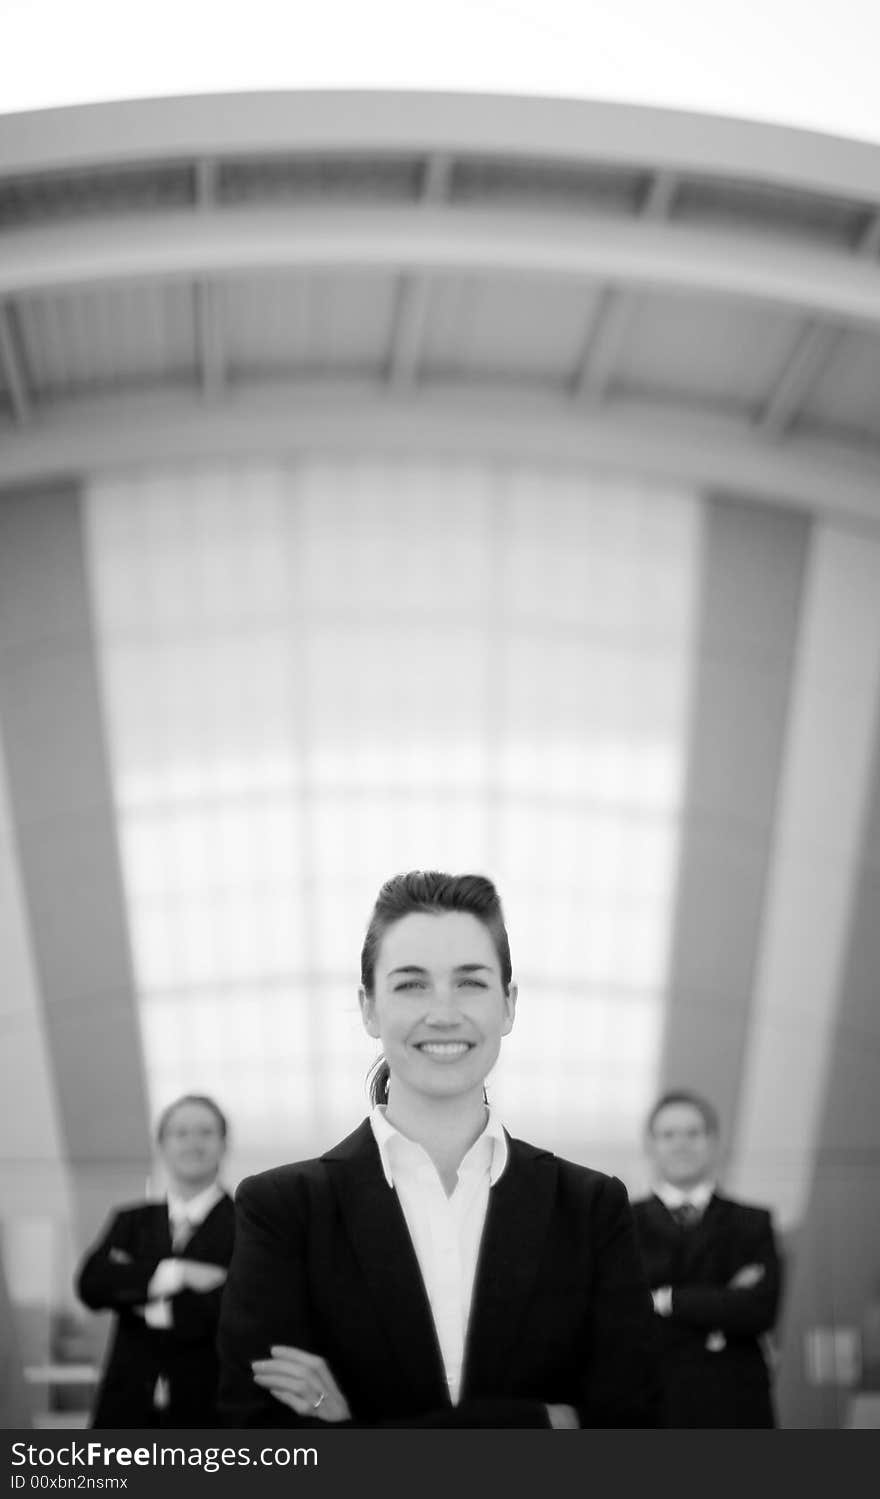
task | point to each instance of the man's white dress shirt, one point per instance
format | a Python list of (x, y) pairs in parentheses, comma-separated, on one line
[(445, 1231), (184, 1217), (672, 1197)]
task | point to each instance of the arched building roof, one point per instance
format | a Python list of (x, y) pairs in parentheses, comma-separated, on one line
[(690, 296)]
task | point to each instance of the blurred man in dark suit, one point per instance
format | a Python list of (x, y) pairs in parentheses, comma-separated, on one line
[(160, 1266), (714, 1270)]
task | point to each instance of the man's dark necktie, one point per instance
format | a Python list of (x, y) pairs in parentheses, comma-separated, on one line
[(686, 1216)]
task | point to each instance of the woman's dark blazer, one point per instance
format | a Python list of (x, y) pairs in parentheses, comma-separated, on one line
[(115, 1275), (561, 1309)]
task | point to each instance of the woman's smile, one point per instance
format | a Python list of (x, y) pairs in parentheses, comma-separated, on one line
[(444, 1051)]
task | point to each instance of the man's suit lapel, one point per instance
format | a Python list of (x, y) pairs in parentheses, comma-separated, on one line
[(517, 1223), (663, 1222), (156, 1229), (704, 1236), (717, 1209), (660, 1219), (382, 1246), (206, 1233)]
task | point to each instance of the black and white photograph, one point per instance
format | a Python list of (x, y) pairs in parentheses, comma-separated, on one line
[(439, 722)]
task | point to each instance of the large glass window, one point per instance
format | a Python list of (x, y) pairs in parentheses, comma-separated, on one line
[(318, 674)]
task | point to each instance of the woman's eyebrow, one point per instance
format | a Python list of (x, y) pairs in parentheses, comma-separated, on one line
[(459, 968)]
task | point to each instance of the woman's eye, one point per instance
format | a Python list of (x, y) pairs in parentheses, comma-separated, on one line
[(474, 983), (408, 984)]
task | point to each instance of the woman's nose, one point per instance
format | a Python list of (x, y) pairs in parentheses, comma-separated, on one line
[(444, 1006)]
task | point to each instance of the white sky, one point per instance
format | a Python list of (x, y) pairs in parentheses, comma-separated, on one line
[(794, 62)]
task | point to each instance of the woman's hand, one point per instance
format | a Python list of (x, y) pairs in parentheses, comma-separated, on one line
[(563, 1418), (303, 1382)]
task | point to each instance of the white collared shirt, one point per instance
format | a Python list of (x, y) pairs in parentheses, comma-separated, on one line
[(698, 1197), (672, 1197), (167, 1278), (192, 1210), (445, 1231)]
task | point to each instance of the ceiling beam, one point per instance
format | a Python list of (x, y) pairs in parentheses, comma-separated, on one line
[(613, 317), (208, 308), (410, 320), (437, 178), (414, 292), (206, 183), (13, 366), (658, 442), (563, 130), (620, 251), (660, 197), (809, 357), (607, 334), (869, 244), (210, 341)]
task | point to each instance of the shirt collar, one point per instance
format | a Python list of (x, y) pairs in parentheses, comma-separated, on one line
[(490, 1144), (194, 1209), (673, 1197)]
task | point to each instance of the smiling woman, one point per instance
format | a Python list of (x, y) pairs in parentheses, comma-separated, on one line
[(430, 1270)]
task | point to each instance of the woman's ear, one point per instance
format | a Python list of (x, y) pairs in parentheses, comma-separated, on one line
[(509, 1009), (368, 1012)]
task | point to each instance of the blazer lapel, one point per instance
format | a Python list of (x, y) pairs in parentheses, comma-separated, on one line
[(517, 1223), (205, 1232), (660, 1218), (158, 1229), (382, 1246), (701, 1236)]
